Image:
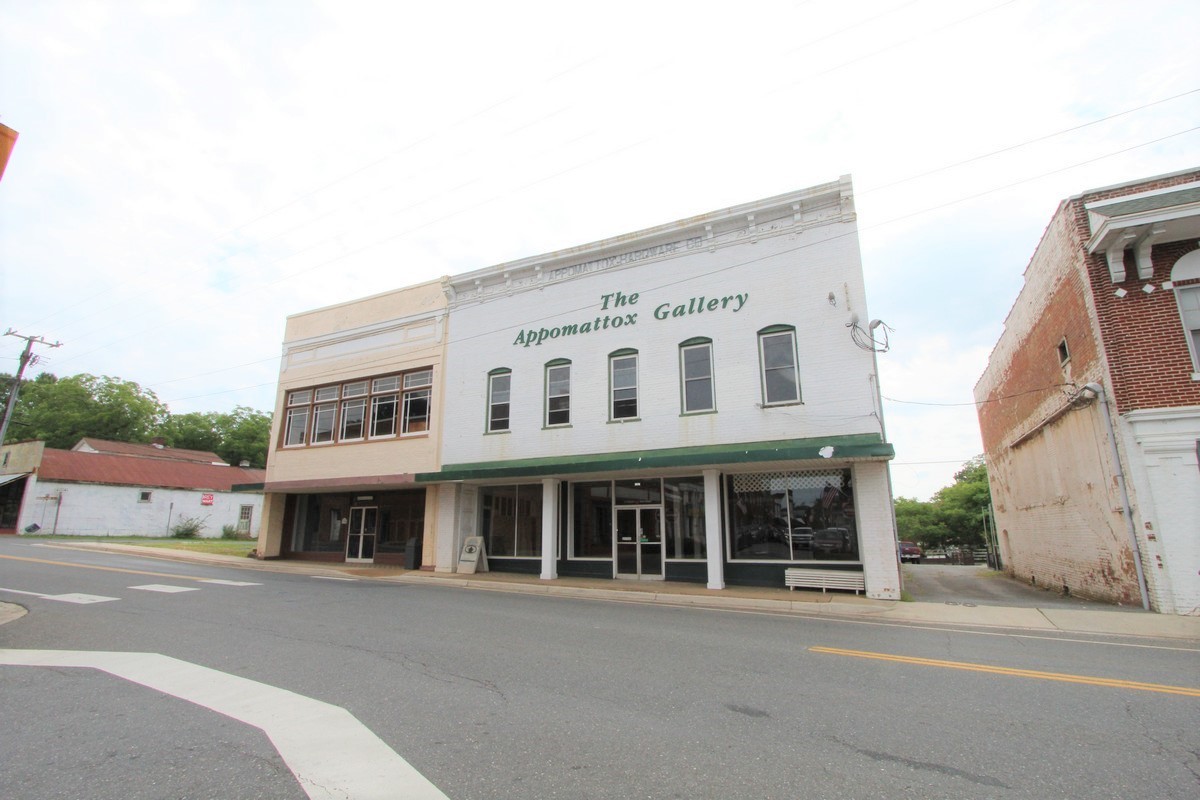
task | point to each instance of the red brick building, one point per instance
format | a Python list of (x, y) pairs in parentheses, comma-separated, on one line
[(1090, 404)]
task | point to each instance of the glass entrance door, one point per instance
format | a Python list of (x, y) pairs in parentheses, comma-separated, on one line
[(360, 533), (639, 543)]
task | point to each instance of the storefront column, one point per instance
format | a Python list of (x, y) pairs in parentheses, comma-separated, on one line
[(270, 525), (712, 529), (549, 528), (449, 502)]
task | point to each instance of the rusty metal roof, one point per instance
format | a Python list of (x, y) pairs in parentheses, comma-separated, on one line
[(116, 470)]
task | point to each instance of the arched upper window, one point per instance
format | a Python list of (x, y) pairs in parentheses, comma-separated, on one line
[(623, 384), (777, 357), (697, 390), (499, 399), (558, 392)]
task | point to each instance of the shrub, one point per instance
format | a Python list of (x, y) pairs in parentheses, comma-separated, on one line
[(188, 528), (229, 532)]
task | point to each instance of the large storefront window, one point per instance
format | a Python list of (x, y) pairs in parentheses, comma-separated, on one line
[(592, 534), (792, 516), (401, 517), (511, 520), (324, 523), (684, 509), (682, 501)]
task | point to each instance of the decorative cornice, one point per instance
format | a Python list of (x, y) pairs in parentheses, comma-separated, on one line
[(789, 214)]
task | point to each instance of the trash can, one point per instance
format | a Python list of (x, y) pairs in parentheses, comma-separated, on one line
[(412, 553)]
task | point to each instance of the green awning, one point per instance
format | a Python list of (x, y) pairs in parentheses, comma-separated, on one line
[(859, 446)]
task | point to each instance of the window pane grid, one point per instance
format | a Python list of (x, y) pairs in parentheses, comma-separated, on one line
[(697, 378), (558, 395), (369, 408), (778, 352), (383, 415), (624, 391), (498, 404), (416, 411)]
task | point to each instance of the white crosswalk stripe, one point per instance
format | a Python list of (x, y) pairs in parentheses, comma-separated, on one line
[(165, 589)]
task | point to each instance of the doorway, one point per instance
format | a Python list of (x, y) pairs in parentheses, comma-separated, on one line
[(360, 533), (639, 543)]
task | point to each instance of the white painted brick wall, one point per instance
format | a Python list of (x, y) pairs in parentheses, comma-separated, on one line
[(95, 510), (788, 280), (876, 532)]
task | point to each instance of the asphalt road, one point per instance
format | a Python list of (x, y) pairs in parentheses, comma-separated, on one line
[(493, 695)]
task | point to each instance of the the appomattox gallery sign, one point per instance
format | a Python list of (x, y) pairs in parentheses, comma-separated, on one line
[(622, 313)]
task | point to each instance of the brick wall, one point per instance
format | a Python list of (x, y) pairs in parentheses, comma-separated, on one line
[(1058, 509), (1149, 362), (1025, 383)]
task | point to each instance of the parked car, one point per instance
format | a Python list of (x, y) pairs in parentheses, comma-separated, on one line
[(832, 541), (802, 538), (910, 553)]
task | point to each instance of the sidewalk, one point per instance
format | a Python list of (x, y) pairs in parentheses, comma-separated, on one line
[(782, 601)]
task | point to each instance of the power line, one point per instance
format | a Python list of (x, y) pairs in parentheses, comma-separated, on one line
[(26, 358), (747, 262), (481, 112), (982, 402)]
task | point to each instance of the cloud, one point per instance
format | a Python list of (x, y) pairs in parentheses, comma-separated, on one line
[(190, 174)]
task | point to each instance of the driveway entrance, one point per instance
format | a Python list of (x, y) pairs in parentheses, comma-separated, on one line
[(980, 586)]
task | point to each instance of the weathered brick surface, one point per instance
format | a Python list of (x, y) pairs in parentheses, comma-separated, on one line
[(1054, 482)]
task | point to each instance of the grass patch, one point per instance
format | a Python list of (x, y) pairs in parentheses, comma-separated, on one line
[(905, 597), (224, 547)]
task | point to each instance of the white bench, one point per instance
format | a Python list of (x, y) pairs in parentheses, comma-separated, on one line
[(824, 578)]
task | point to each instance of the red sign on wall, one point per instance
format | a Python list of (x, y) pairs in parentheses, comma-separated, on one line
[(206, 499)]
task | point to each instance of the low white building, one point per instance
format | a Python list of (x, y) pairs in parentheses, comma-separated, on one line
[(105, 489)]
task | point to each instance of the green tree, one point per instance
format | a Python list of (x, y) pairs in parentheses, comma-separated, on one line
[(917, 521), (193, 431), (954, 515), (242, 434), (61, 411), (246, 436), (961, 505)]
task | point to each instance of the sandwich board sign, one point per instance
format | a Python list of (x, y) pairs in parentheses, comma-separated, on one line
[(472, 559)]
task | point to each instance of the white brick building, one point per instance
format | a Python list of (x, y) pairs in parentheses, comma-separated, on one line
[(697, 402)]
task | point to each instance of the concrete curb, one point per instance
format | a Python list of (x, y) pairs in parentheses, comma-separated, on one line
[(1121, 623)]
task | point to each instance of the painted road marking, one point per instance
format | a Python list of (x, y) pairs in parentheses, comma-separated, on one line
[(176, 576), (164, 588), (1113, 683), (82, 599), (72, 597), (220, 582), (330, 752)]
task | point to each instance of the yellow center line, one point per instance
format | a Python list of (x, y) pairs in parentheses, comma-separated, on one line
[(105, 569), (1019, 673)]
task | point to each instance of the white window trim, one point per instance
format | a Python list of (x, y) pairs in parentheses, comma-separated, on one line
[(762, 366), (612, 387), (492, 403), (711, 378), (546, 419)]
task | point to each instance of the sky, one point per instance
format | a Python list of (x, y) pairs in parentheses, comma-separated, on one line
[(189, 173)]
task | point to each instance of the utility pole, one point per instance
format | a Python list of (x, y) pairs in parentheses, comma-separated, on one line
[(27, 358)]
